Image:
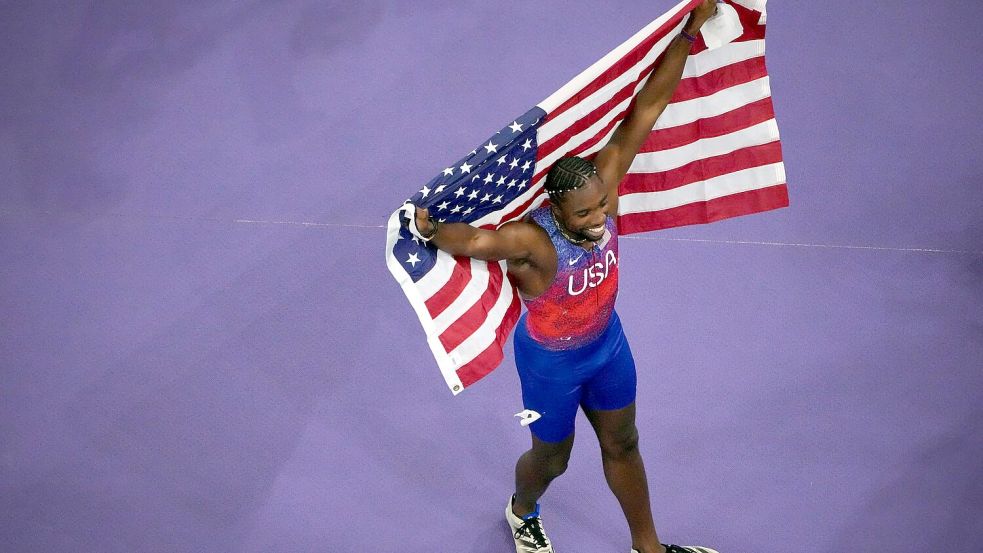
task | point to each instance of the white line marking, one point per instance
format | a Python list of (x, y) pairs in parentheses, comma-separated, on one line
[(358, 226)]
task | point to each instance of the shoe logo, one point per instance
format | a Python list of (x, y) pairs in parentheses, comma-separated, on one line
[(572, 261)]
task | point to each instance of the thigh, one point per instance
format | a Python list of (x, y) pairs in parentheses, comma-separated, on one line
[(614, 385), (556, 400), (548, 389), (615, 428)]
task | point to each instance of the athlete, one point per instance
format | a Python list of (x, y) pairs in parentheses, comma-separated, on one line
[(570, 350)]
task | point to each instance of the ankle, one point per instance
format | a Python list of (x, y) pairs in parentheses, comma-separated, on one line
[(520, 509)]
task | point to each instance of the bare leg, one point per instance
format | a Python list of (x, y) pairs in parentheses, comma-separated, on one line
[(535, 470), (625, 473)]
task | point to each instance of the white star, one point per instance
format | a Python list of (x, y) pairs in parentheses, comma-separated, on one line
[(425, 191), (443, 206), (501, 160), (497, 200), (511, 184), (449, 171), (515, 126), (413, 260), (468, 210), (489, 178), (514, 163), (416, 241), (491, 147), (460, 192), (486, 198), (456, 209), (475, 177), (526, 165), (473, 194), (500, 181), (439, 189), (523, 184), (466, 168), (473, 152), (526, 145)]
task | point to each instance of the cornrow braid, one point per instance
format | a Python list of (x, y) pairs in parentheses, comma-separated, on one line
[(567, 174)]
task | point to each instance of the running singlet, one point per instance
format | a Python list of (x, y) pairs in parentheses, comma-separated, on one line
[(576, 307)]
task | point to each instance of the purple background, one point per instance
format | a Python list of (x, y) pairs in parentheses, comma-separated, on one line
[(175, 380)]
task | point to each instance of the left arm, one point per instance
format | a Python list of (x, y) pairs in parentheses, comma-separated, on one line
[(614, 159)]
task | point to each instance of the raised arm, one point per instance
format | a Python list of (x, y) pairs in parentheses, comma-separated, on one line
[(614, 159), (516, 241)]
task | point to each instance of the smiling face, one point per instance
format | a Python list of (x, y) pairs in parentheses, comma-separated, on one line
[(583, 211)]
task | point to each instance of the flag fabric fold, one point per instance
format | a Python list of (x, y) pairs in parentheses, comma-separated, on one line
[(715, 153)]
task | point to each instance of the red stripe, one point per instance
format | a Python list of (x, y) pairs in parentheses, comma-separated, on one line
[(694, 87), (749, 20), (593, 117), (719, 79), (735, 120), (627, 61), (734, 205), (702, 169), (487, 360), (437, 303), (468, 323)]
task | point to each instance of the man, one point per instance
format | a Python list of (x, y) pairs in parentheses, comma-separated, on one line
[(570, 349)]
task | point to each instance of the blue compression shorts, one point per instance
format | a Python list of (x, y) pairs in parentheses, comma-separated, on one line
[(597, 376)]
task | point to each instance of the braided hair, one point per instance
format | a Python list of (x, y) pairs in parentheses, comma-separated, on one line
[(569, 173)]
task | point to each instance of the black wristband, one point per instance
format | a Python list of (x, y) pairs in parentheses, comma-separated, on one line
[(433, 232)]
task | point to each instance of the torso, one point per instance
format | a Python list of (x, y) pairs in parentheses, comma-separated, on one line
[(577, 304)]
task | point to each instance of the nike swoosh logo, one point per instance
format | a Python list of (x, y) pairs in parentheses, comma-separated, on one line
[(572, 261)]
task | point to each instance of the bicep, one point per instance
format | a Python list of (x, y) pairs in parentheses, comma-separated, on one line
[(511, 241)]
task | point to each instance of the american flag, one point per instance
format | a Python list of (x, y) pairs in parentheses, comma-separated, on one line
[(714, 153)]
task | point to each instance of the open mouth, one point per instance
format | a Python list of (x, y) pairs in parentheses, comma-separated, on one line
[(594, 233)]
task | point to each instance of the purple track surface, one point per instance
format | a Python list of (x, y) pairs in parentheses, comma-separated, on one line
[(187, 368)]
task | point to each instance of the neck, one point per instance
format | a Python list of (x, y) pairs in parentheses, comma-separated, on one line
[(563, 230)]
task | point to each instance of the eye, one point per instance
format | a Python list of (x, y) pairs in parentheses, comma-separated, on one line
[(582, 213)]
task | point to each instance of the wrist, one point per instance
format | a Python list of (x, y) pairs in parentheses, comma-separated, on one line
[(428, 235)]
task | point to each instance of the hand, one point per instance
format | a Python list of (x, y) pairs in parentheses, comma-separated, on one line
[(700, 15), (423, 221)]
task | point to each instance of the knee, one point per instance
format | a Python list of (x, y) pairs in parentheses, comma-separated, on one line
[(556, 465), (621, 444)]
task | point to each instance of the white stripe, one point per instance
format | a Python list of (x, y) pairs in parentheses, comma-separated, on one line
[(438, 275), (447, 367), (587, 105), (667, 160), (718, 103), (585, 77), (677, 113), (488, 331), (706, 61), (468, 297), (732, 183)]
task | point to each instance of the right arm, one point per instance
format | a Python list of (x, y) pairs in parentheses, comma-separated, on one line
[(514, 241)]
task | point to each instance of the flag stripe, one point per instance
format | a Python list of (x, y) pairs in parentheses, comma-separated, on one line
[(469, 321), (442, 299), (703, 190), (487, 360), (719, 79), (701, 169), (643, 47), (665, 160), (747, 116), (743, 203), (469, 297)]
